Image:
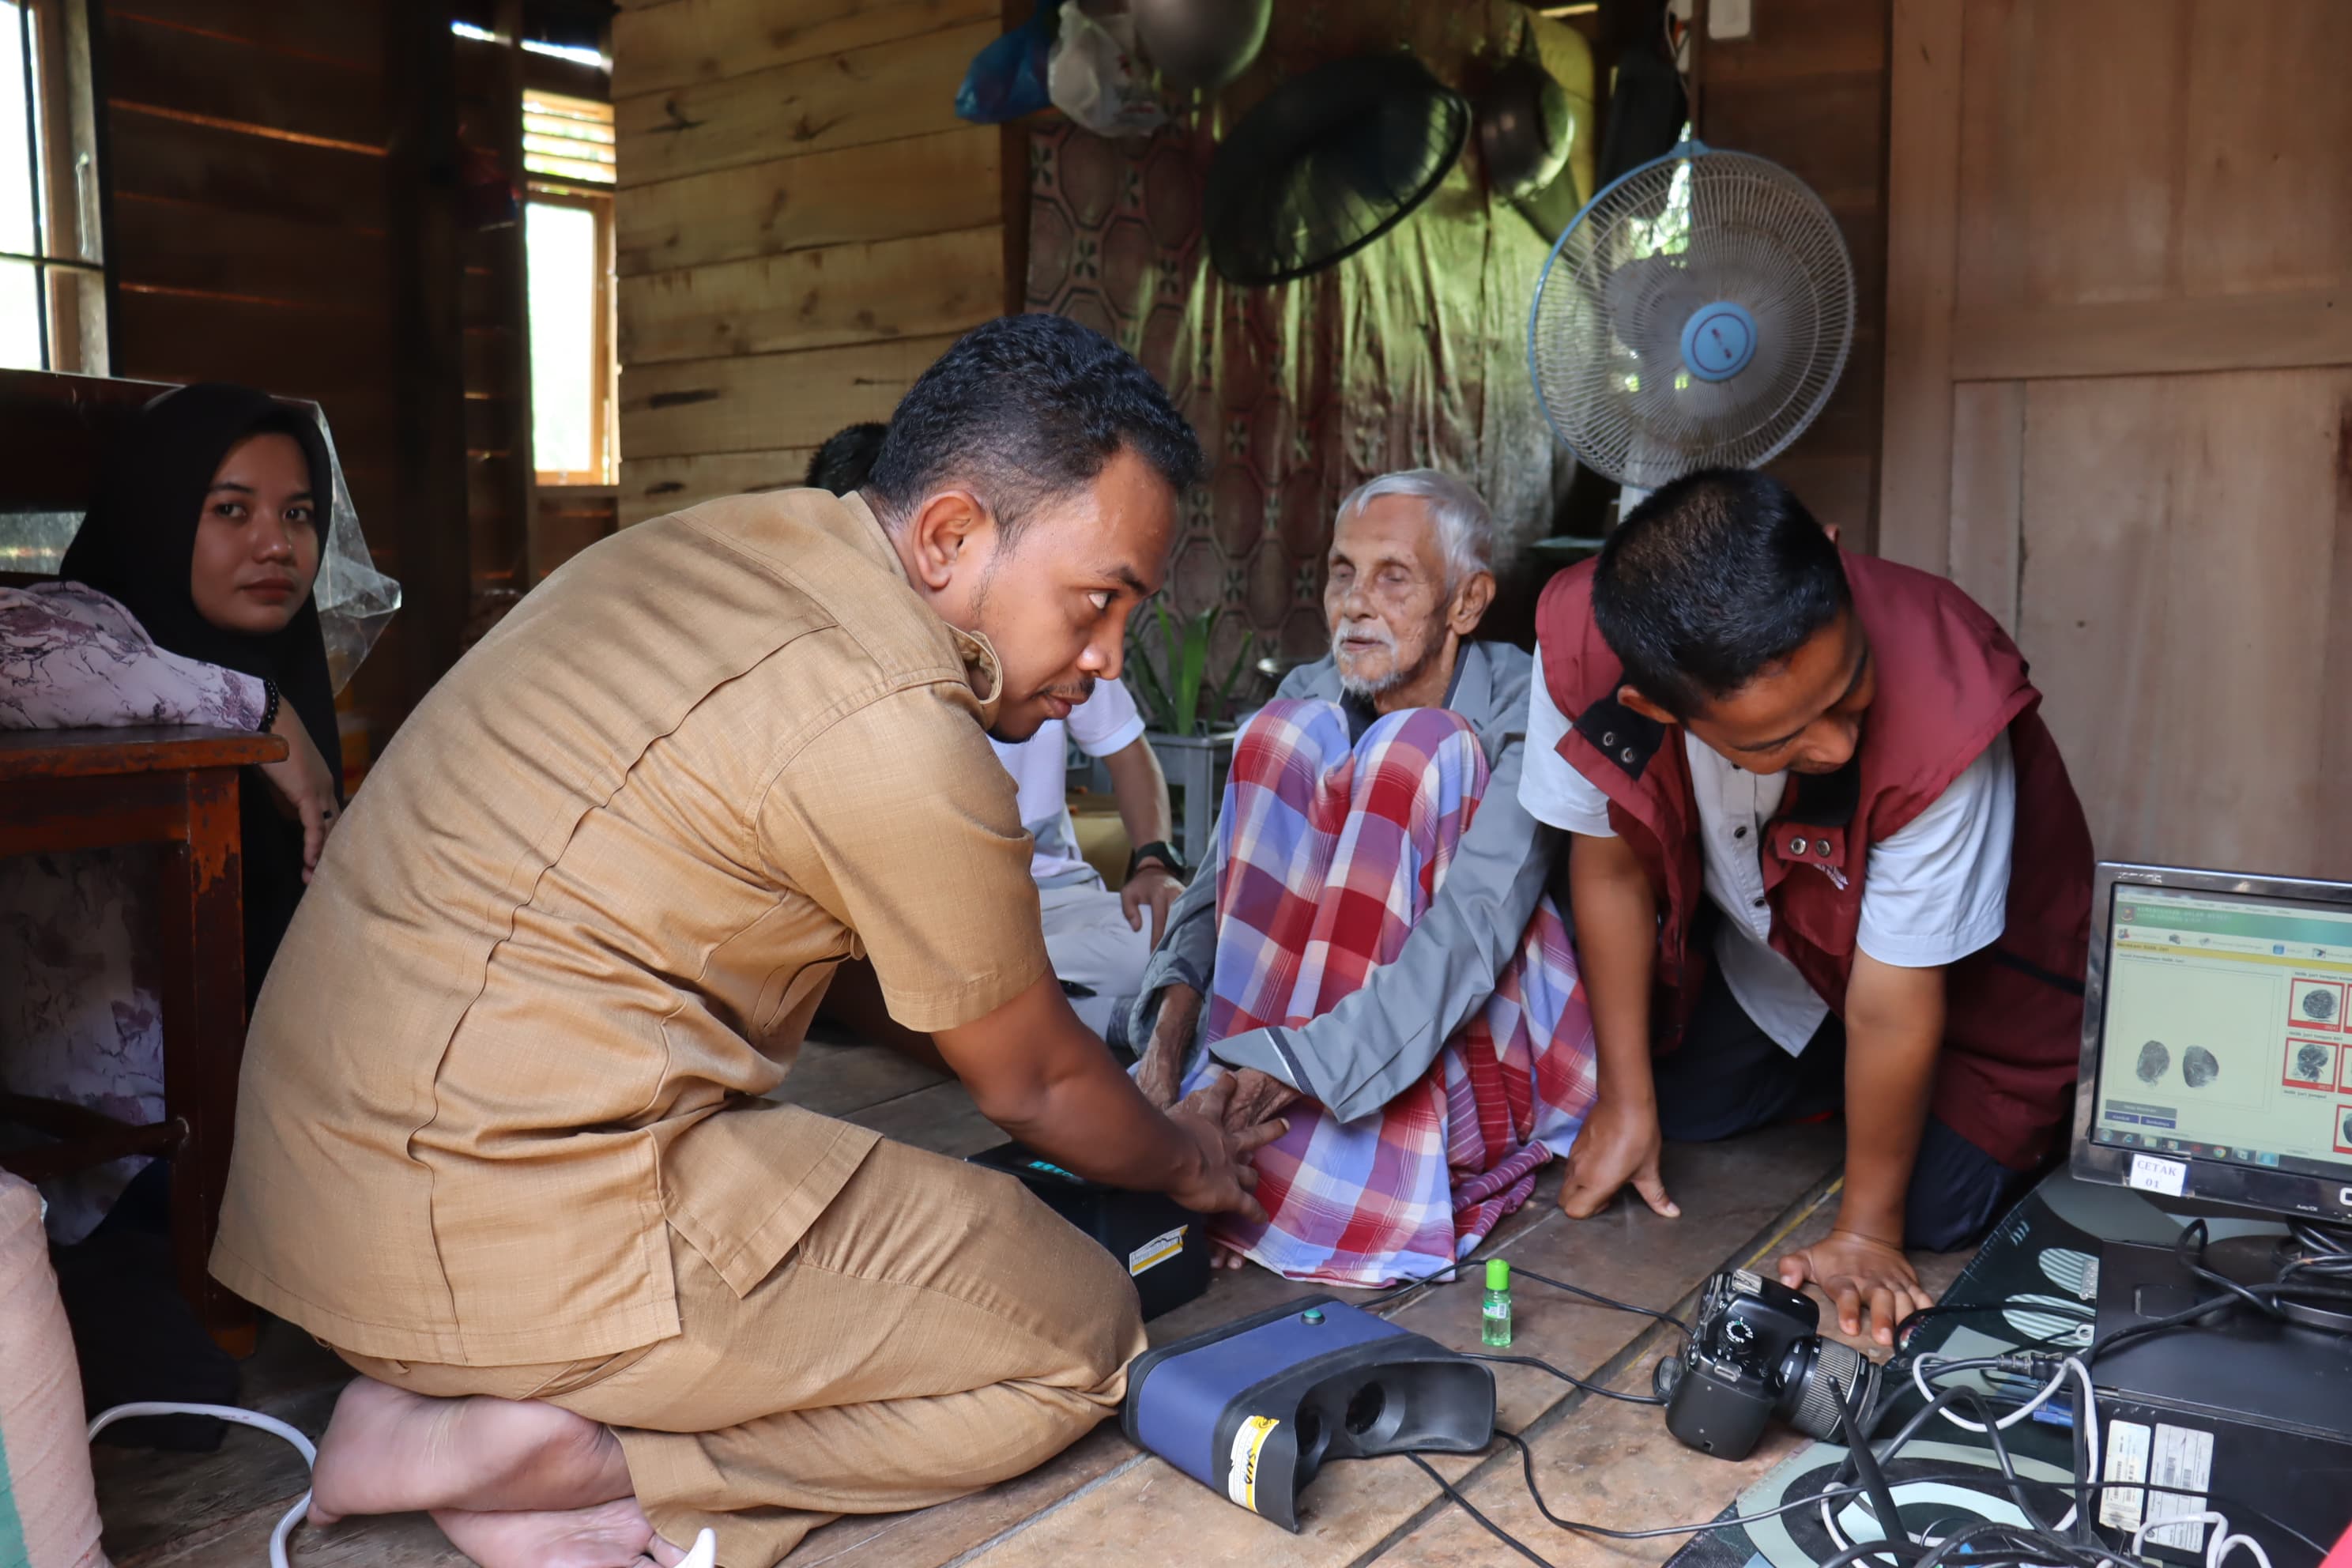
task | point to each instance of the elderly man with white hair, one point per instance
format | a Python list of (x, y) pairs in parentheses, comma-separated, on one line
[(1369, 947)]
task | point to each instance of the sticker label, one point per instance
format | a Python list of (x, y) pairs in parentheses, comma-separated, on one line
[(1241, 1471), (1158, 1249), (2183, 1459), (2150, 1174), (2127, 1446)]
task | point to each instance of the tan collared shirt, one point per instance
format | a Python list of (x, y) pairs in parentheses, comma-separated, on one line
[(578, 920)]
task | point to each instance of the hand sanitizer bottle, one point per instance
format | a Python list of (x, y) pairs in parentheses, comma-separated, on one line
[(1495, 1323)]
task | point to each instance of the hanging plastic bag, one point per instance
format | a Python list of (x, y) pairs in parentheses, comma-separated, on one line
[(1007, 78), (355, 600), (1092, 78)]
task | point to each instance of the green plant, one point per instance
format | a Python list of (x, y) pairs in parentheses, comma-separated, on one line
[(1170, 690)]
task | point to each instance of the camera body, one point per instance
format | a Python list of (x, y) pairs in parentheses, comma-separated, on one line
[(1757, 1352)]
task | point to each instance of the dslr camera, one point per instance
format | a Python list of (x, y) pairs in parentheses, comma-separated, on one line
[(1756, 1353)]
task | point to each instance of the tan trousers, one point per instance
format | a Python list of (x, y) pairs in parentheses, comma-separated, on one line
[(937, 1330)]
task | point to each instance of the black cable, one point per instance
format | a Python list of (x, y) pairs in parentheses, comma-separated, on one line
[(2042, 1548), (1593, 1388), (1987, 1309), (1466, 1506), (1873, 1480), (1596, 1297)]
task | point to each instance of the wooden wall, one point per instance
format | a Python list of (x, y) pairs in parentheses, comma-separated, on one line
[(1808, 89), (496, 357), (803, 225), (2120, 396), (267, 163)]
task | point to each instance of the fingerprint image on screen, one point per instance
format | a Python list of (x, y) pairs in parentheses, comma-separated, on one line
[(2154, 1059), (2199, 1066), (2311, 1062), (2319, 1004)]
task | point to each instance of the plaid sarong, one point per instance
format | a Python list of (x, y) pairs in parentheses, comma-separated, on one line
[(1331, 852)]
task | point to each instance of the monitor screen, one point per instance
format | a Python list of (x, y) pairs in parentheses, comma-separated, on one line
[(2223, 1034)]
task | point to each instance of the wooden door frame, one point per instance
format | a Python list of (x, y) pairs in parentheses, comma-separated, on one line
[(1923, 177)]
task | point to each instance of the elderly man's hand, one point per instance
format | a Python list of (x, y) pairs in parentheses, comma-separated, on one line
[(1257, 1097), (1250, 1103), (1160, 1074)]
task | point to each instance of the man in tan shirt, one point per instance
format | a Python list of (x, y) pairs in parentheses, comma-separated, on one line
[(502, 1139)]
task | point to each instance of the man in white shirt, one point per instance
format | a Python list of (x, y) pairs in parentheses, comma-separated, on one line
[(1098, 941), (1813, 808)]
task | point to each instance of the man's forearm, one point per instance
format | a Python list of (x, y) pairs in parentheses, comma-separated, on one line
[(1099, 1125), (1047, 1079), (1616, 919), (1895, 1028), (1140, 789)]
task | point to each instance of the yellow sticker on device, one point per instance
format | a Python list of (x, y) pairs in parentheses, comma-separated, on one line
[(1158, 1249), (1240, 1474)]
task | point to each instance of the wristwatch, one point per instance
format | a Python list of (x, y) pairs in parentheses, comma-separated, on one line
[(1156, 850)]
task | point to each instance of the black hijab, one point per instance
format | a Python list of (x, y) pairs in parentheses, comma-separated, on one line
[(136, 543)]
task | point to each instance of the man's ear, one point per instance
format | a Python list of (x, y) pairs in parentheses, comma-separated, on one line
[(941, 533), (1471, 602), (1632, 699)]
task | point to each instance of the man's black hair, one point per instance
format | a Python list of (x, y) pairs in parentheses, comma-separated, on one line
[(847, 456), (1024, 409), (1715, 576)]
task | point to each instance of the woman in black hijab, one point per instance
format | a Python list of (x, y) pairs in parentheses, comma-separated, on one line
[(215, 559)]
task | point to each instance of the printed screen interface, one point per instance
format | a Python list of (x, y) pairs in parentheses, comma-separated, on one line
[(2225, 1036)]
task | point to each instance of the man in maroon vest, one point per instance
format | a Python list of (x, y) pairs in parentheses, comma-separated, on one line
[(1824, 850)]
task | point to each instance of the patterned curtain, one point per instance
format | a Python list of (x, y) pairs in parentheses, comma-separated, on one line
[(1410, 353)]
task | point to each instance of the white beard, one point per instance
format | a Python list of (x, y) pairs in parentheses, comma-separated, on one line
[(1350, 684)]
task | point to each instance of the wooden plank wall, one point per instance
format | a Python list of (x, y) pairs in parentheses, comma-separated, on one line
[(803, 225), (257, 234), (1808, 89), (496, 355)]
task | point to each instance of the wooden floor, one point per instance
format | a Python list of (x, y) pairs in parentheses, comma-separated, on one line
[(1105, 1504)]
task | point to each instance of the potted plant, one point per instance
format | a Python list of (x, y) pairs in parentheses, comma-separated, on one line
[(1191, 718)]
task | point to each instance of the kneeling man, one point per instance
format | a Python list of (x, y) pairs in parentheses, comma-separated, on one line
[(503, 1138), (1814, 810), (1369, 937)]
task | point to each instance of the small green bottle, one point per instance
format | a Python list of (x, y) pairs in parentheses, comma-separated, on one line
[(1495, 1322)]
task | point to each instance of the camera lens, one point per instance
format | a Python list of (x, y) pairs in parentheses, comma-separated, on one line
[(1825, 1378)]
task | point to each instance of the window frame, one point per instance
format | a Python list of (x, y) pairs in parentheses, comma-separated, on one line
[(603, 396), (67, 191)]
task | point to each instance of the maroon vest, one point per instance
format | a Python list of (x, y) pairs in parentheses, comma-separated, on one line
[(1949, 680)]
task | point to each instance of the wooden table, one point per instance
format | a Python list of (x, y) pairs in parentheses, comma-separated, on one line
[(90, 789)]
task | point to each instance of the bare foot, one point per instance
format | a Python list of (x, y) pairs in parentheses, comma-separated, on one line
[(610, 1536), (387, 1451)]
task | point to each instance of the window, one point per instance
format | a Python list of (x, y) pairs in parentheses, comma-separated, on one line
[(568, 247), (52, 277)]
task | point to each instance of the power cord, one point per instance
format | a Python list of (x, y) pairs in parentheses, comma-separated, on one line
[(1568, 1377)]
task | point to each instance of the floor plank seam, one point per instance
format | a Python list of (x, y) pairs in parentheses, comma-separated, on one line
[(1627, 1357), (1017, 1527)]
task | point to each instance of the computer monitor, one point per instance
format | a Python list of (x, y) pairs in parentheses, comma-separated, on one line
[(2217, 1040)]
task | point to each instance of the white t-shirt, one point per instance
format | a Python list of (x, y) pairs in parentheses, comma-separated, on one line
[(1106, 722), (1932, 894)]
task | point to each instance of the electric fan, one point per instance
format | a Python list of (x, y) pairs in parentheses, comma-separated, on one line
[(1696, 312)]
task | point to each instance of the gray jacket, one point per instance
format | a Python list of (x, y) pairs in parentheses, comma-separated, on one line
[(1379, 1042)]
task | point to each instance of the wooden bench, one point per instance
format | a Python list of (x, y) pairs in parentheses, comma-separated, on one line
[(85, 789)]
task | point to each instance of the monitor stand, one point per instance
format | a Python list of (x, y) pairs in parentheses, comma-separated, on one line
[(2260, 1259)]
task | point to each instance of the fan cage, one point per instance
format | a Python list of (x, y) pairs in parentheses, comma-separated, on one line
[(1604, 346)]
